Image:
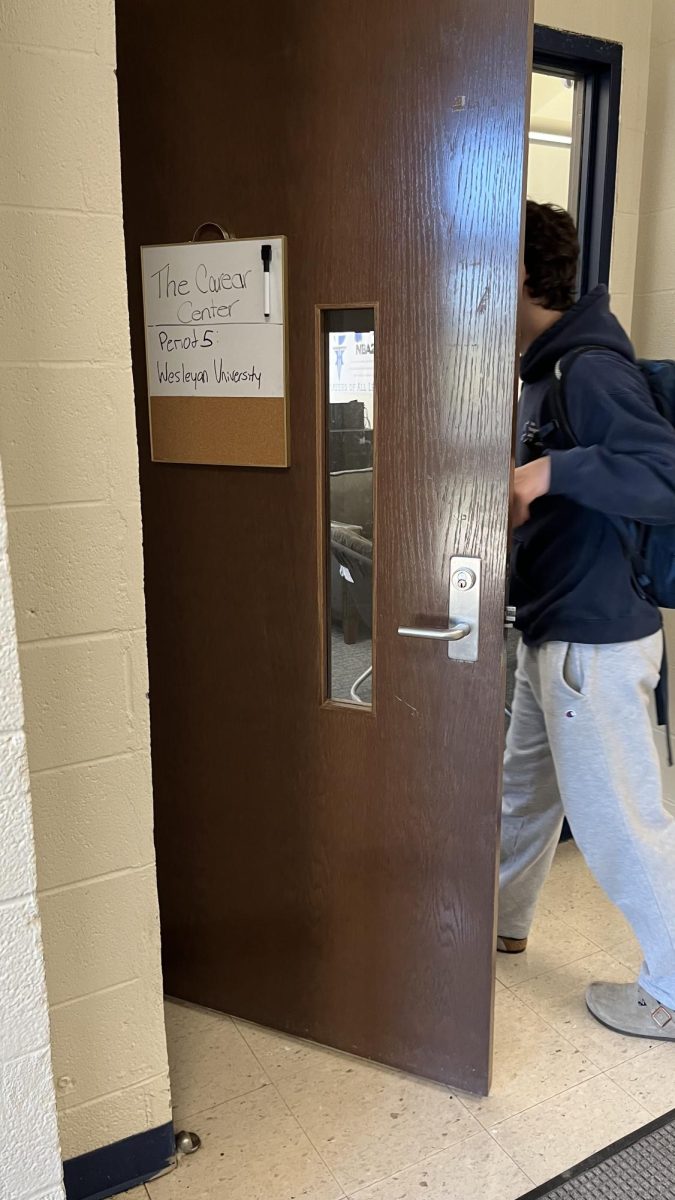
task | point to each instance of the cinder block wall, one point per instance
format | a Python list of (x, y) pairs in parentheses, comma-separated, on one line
[(655, 282), (30, 1163), (67, 440), (654, 311)]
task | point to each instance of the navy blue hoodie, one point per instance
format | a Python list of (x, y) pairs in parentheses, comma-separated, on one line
[(571, 578)]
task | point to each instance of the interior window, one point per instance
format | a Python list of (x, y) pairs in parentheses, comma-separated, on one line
[(556, 125), (574, 133)]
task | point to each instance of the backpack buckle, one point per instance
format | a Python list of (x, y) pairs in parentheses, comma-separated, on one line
[(536, 437)]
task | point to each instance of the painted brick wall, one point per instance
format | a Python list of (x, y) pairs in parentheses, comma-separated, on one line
[(654, 316), (655, 283), (67, 440), (30, 1164)]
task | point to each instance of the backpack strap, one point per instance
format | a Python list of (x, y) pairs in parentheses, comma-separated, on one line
[(557, 391)]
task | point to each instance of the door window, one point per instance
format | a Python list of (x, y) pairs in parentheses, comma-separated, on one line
[(349, 416)]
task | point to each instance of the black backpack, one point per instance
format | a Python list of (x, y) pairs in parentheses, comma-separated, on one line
[(652, 552)]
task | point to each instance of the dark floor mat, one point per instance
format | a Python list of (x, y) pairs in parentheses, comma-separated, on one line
[(639, 1167)]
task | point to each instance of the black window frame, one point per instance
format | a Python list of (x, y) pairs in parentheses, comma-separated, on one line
[(598, 63)]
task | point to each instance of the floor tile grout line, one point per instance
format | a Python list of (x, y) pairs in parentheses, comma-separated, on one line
[(626, 966), (597, 1072), (477, 1132), (647, 1108), (562, 917), (560, 967), (503, 1149), (349, 1055), (194, 1114), (558, 1032), (563, 966), (340, 1186), (553, 1028), (480, 1132), (540, 1104), (190, 1116), (544, 974), (336, 1181), (602, 1070), (452, 1093), (418, 1163)]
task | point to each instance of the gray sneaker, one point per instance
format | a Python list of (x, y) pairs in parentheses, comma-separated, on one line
[(628, 1008)]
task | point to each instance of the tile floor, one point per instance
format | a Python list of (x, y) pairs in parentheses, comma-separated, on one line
[(283, 1120)]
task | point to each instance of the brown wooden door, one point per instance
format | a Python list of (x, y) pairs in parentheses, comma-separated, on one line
[(323, 869)]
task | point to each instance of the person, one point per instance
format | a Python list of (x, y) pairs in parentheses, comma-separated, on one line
[(580, 742)]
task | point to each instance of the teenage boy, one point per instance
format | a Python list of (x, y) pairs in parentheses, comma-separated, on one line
[(580, 742)]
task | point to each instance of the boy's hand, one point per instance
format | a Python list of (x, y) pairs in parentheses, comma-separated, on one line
[(529, 483)]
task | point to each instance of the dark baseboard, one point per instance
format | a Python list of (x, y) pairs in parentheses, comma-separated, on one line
[(121, 1166)]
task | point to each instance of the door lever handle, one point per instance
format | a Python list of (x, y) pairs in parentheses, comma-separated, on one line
[(461, 635), (454, 634)]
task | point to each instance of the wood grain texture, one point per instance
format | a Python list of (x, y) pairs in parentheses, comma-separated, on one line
[(323, 871)]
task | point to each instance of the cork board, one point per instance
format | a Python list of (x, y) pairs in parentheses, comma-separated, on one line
[(216, 352)]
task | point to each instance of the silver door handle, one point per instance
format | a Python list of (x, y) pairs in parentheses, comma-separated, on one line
[(454, 634), (461, 635)]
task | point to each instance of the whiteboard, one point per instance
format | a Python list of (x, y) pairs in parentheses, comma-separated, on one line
[(206, 333)]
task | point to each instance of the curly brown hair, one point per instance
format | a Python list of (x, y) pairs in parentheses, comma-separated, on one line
[(551, 256)]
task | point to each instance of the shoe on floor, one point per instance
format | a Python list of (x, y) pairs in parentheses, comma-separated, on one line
[(628, 1008), (511, 945)]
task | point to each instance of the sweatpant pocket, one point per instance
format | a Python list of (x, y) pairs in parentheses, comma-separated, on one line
[(572, 671)]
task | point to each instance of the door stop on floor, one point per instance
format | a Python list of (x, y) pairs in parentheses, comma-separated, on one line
[(187, 1143)]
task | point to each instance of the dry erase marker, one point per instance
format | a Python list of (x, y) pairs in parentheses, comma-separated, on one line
[(266, 255)]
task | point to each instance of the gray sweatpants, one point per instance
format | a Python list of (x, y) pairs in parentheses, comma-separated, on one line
[(580, 745)]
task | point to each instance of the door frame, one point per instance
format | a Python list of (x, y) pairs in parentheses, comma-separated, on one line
[(598, 63)]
